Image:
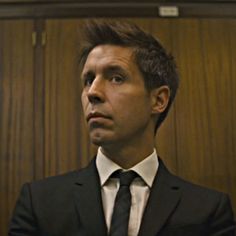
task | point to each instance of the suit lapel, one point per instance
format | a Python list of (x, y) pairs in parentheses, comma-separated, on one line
[(88, 201), (163, 200)]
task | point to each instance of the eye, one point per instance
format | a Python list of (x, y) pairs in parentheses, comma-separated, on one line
[(88, 80), (118, 79)]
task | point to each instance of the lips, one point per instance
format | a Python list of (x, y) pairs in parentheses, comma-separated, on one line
[(96, 115)]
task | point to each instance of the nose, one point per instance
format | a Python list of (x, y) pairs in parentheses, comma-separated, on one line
[(96, 91)]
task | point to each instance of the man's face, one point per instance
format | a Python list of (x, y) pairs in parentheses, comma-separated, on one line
[(116, 104)]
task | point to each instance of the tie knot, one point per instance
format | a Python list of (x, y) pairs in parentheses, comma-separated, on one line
[(127, 177)]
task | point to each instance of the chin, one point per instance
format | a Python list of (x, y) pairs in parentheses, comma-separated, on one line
[(101, 140), (102, 137), (97, 139), (96, 142)]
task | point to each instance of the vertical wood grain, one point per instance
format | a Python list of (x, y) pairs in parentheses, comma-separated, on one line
[(205, 105), (16, 108), (219, 60), (39, 100), (232, 107), (63, 115), (191, 110)]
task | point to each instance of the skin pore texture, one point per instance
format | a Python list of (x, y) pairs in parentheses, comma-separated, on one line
[(120, 112)]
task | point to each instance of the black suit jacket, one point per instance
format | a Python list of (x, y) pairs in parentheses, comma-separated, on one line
[(71, 205)]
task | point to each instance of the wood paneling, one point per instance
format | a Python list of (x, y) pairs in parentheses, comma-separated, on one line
[(43, 132), (205, 105), (17, 113), (191, 114), (232, 159), (218, 55), (39, 100), (62, 99)]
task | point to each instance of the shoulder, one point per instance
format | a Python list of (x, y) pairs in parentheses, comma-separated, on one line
[(194, 196), (203, 204), (202, 198), (197, 190), (198, 204), (61, 184), (56, 179), (64, 180), (187, 187), (199, 201)]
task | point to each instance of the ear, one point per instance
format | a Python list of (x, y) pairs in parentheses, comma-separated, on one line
[(160, 98)]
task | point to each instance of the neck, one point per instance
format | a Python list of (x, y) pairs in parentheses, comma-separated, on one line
[(128, 156)]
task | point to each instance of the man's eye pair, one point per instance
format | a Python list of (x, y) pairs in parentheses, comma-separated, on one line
[(115, 79)]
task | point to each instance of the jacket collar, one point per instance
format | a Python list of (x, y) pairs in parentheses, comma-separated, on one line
[(88, 201), (163, 200)]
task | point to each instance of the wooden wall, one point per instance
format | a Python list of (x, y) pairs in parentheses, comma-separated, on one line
[(42, 131)]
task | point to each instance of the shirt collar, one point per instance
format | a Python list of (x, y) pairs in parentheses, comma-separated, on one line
[(146, 169)]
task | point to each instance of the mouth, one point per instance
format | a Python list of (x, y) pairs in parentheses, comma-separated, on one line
[(96, 116)]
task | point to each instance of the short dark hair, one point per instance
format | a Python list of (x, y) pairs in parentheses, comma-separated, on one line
[(156, 65)]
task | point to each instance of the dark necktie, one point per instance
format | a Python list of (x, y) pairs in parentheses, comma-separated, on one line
[(120, 216)]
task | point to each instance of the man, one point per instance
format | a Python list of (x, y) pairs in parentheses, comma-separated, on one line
[(129, 83)]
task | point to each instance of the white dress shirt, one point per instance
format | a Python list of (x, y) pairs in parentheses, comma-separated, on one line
[(140, 187)]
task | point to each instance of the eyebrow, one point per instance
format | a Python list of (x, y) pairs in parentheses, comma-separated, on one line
[(115, 68), (87, 74), (107, 70)]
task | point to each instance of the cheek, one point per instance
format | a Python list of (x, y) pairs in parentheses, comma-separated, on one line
[(132, 108), (84, 101)]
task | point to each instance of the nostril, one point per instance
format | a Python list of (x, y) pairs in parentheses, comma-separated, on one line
[(94, 98)]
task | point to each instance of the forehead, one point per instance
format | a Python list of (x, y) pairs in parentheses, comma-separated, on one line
[(110, 55)]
